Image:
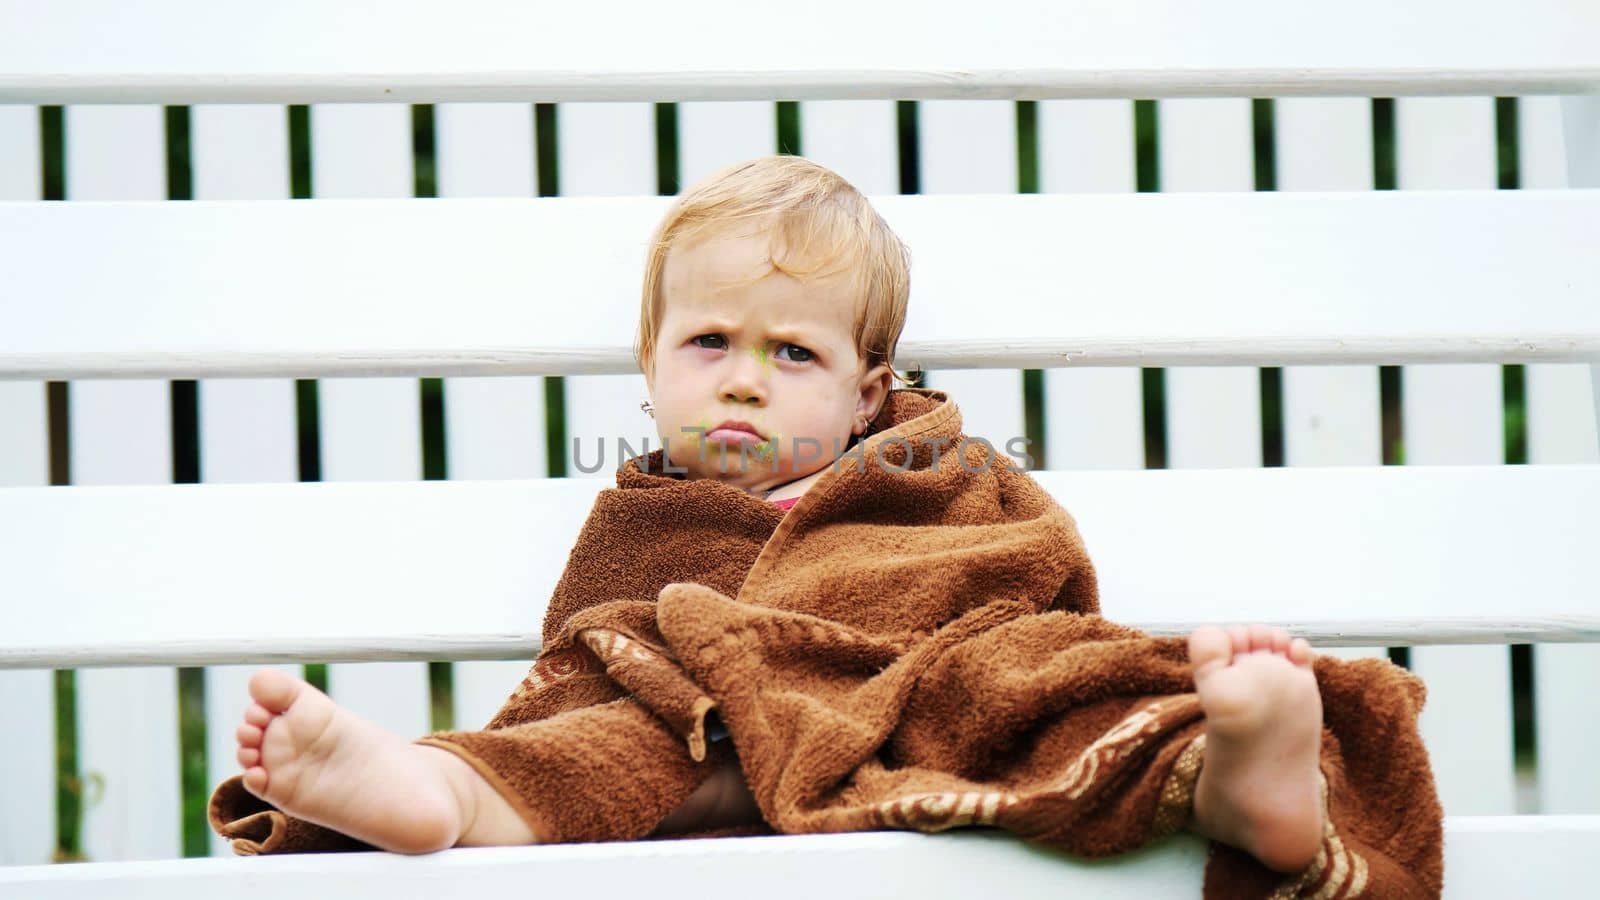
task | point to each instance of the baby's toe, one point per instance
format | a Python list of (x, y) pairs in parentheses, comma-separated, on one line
[(1300, 652), (248, 735), (1260, 638), (1209, 648), (255, 780), (273, 690), (257, 715), (249, 756)]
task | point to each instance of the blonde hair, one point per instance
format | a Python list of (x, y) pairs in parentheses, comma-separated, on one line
[(819, 224)]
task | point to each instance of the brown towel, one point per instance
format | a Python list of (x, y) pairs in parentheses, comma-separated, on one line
[(912, 646)]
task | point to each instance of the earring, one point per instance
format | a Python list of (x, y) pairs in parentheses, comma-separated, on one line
[(649, 407)]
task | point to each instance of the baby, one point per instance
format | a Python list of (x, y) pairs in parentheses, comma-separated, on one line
[(774, 298)]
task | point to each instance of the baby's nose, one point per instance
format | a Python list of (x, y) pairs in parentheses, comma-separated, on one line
[(745, 380)]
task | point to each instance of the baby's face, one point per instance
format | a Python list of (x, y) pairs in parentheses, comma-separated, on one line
[(775, 353)]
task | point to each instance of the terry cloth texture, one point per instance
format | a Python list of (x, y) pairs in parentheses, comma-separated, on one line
[(913, 645)]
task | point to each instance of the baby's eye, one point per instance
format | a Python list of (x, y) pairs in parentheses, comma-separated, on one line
[(717, 341), (797, 353)]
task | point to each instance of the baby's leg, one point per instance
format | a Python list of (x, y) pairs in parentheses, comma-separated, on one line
[(1259, 788), (315, 760)]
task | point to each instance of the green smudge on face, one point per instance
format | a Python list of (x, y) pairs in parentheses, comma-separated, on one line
[(763, 358)]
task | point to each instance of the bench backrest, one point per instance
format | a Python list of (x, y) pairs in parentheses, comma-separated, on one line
[(103, 296)]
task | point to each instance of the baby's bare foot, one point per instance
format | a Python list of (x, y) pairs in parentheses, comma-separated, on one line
[(1259, 788), (312, 759)]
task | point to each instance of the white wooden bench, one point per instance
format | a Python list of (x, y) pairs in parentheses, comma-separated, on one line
[(124, 576)]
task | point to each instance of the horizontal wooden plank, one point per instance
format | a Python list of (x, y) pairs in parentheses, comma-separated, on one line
[(1508, 629), (302, 51), (1485, 857), (233, 573), (551, 286)]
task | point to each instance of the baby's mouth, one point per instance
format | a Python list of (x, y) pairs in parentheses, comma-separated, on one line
[(738, 432)]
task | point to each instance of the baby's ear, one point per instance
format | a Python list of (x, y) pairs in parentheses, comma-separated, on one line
[(873, 390)]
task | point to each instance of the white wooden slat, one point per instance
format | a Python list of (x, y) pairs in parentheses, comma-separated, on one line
[(373, 559), (1560, 430), (1445, 143), (1567, 736), (27, 758), (1332, 417), (967, 147), (971, 148), (714, 135), (371, 429), (607, 150), (248, 430), (128, 761), (1331, 414), (1559, 397), (1485, 858), (1568, 731), (494, 427), (1206, 144), (859, 139), (1391, 276), (1323, 144), (1086, 146), (484, 150), (1541, 150), (239, 152), (28, 802), (1213, 415), (115, 153), (724, 50), (21, 166), (127, 718), (1453, 415), (24, 441), (1094, 418), (25, 445), (248, 427), (1580, 119), (120, 433)]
